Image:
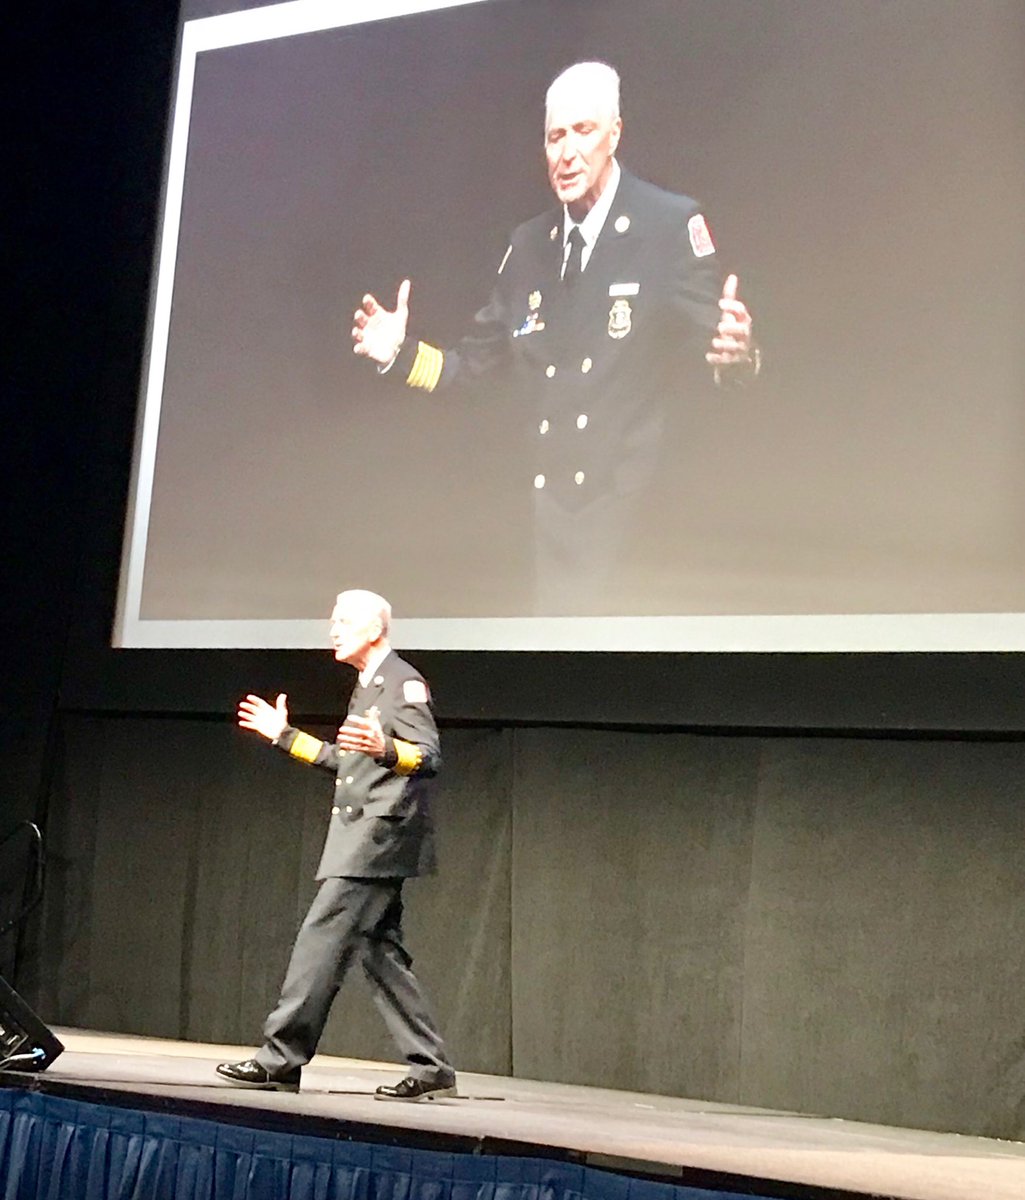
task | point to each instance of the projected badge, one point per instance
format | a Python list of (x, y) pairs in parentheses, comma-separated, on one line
[(620, 319), (533, 322)]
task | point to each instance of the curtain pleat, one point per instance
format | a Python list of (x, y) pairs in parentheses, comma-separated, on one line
[(57, 1149)]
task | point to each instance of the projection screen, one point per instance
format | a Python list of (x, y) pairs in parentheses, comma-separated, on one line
[(856, 164)]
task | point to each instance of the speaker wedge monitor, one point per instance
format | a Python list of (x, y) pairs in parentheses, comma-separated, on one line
[(25, 1042)]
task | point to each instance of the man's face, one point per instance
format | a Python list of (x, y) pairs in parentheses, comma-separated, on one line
[(354, 629), (580, 139)]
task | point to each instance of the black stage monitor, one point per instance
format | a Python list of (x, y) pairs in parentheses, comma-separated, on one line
[(25, 1042)]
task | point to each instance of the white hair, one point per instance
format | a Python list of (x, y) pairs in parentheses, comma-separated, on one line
[(597, 79), (369, 603)]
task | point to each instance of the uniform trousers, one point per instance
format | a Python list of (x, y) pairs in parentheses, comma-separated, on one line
[(353, 919)]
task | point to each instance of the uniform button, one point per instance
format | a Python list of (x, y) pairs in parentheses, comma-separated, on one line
[(348, 808), (335, 811), (550, 370), (586, 365), (348, 779), (543, 427), (582, 421), (539, 481), (578, 478)]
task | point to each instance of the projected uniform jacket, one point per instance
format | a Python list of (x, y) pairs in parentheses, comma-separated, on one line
[(615, 346), (380, 820), (597, 365)]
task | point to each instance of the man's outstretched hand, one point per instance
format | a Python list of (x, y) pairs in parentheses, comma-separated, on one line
[(378, 332), (732, 342), (269, 720), (363, 734)]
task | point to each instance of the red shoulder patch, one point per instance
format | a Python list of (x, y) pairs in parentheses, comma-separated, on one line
[(700, 239)]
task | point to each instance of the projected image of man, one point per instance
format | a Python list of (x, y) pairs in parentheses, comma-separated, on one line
[(379, 835), (603, 311)]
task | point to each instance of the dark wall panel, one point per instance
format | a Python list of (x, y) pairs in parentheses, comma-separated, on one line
[(887, 918), (630, 873)]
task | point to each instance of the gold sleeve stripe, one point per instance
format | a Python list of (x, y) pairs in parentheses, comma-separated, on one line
[(426, 369), (305, 747), (409, 757)]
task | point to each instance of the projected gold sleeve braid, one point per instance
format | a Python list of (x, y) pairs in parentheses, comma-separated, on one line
[(426, 369)]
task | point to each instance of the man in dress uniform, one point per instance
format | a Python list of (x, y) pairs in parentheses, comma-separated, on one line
[(602, 309), (380, 834)]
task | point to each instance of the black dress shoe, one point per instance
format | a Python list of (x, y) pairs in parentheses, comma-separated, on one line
[(250, 1074), (411, 1090)]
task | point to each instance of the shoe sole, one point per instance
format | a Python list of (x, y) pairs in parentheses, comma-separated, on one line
[(271, 1086), (435, 1094)]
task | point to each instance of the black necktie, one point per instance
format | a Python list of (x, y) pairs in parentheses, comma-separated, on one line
[(574, 264)]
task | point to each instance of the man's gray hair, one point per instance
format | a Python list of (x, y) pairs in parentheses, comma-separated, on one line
[(596, 79), (369, 603)]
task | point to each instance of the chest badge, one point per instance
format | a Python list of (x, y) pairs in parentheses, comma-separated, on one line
[(620, 318), (532, 323)]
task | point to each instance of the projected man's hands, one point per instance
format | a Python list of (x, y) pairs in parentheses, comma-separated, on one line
[(732, 342), (269, 720), (378, 332)]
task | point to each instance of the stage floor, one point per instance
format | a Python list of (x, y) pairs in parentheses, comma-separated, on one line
[(684, 1140)]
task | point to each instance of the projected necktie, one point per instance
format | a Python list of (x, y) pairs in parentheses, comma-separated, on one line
[(573, 263)]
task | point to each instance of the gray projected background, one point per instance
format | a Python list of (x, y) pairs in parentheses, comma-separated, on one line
[(861, 168)]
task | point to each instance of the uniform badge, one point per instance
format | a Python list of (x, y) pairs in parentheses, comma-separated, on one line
[(553, 232), (414, 691), (700, 239), (532, 323), (622, 224), (620, 319)]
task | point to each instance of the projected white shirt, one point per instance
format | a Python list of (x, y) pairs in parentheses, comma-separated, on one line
[(591, 226)]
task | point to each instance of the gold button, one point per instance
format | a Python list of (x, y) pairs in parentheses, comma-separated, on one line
[(335, 811), (582, 421), (539, 481), (543, 427), (586, 365), (578, 478), (348, 779), (550, 370), (348, 808)]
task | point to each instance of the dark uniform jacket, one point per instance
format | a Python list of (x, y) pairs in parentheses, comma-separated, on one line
[(380, 820), (596, 363)]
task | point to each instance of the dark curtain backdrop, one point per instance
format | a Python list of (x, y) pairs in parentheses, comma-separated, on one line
[(826, 925)]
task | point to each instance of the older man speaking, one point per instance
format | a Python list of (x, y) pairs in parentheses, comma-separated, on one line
[(380, 834), (601, 309)]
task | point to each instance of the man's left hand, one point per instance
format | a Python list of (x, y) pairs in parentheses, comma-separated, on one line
[(362, 734), (732, 342)]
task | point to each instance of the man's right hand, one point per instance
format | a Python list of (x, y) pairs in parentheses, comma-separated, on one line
[(378, 333), (270, 720)]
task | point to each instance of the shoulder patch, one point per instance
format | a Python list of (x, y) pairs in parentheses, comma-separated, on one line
[(414, 691), (700, 239)]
